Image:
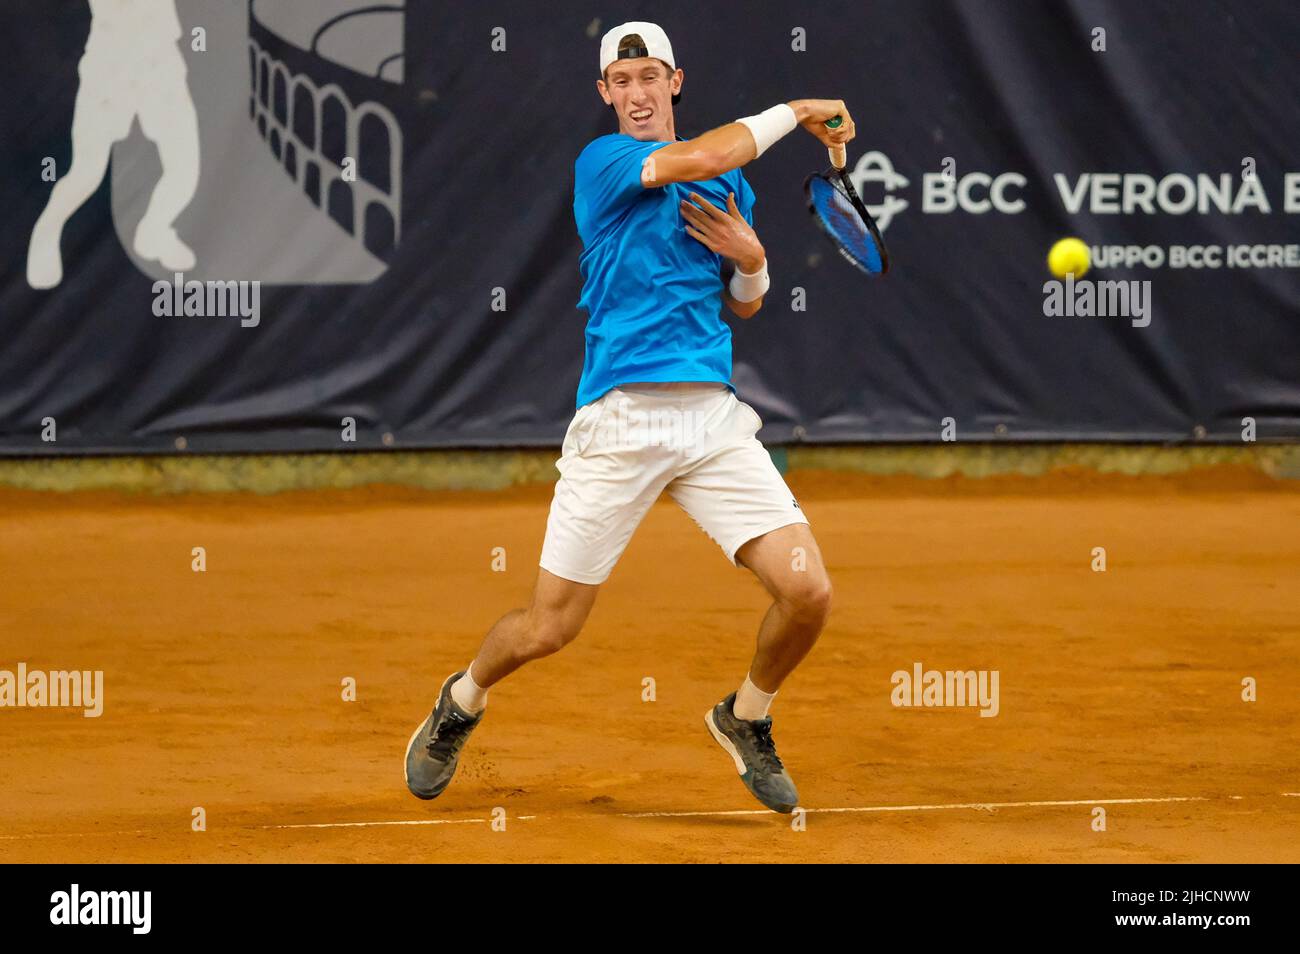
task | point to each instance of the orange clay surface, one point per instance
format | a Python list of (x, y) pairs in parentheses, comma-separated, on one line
[(223, 689)]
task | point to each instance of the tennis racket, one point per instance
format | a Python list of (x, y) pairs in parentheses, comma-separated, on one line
[(835, 205)]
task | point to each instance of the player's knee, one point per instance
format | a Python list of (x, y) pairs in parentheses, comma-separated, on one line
[(808, 598), (546, 634)]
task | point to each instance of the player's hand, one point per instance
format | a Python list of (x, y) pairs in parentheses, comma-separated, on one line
[(726, 233), (813, 115)]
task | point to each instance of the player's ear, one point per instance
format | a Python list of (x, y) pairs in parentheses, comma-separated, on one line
[(675, 81), (603, 90)]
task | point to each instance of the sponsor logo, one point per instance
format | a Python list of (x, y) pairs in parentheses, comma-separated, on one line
[(875, 168), (1130, 193), (882, 189), (875, 178), (1196, 256)]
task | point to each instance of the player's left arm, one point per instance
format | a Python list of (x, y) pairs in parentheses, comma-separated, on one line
[(742, 309), (729, 235)]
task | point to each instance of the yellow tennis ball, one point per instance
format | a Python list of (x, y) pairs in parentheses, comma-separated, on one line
[(1069, 255)]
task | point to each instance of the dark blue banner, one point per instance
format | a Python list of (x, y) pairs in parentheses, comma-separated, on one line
[(281, 225)]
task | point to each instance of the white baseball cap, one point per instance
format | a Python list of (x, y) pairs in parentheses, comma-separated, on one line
[(655, 39)]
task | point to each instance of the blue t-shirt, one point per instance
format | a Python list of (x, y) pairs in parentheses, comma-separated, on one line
[(652, 293)]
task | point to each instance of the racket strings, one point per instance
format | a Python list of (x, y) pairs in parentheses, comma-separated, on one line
[(842, 222)]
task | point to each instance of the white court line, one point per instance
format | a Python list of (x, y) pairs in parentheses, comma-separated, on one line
[(982, 806), (953, 806), (376, 824)]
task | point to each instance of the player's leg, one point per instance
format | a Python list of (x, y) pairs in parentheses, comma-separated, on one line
[(789, 564), (734, 492), (607, 483), (553, 619), (550, 622), (97, 123), (168, 117)]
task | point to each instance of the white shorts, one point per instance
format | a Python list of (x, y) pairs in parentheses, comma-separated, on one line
[(622, 450)]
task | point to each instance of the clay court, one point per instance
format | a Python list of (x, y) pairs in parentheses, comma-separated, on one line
[(223, 689)]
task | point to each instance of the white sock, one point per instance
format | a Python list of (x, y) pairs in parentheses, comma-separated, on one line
[(751, 702), (468, 694)]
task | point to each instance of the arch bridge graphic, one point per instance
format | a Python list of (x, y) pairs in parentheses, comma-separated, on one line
[(288, 95), (316, 122)]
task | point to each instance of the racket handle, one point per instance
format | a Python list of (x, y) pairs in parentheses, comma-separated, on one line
[(839, 156)]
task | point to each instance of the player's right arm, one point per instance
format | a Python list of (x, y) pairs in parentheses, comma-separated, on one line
[(734, 145)]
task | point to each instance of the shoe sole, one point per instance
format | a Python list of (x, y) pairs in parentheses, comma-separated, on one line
[(405, 772), (727, 745), (411, 741)]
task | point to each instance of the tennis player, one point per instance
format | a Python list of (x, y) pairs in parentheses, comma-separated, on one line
[(658, 217)]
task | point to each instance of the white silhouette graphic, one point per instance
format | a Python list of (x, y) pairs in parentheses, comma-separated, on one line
[(132, 69)]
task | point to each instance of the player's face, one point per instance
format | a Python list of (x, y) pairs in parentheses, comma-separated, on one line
[(641, 92)]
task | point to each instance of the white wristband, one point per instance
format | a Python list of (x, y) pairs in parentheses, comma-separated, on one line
[(770, 125), (747, 288)]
